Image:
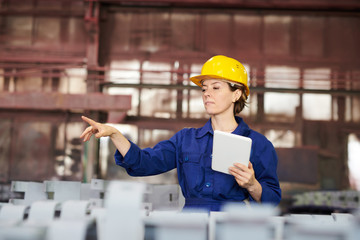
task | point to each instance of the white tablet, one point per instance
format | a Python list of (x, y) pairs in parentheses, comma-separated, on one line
[(228, 149)]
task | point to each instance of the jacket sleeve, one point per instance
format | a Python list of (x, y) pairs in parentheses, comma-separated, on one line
[(148, 161), (265, 166)]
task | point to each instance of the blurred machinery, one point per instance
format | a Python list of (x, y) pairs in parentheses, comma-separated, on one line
[(125, 214)]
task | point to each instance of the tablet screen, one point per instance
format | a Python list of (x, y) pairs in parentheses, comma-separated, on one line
[(228, 149)]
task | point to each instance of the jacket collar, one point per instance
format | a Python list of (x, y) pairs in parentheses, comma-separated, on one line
[(242, 128)]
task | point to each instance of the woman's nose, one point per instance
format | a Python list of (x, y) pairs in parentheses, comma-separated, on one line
[(206, 93)]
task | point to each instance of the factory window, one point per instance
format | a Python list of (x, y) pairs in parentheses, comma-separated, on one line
[(281, 138), (317, 79), (281, 105), (156, 73), (281, 77), (124, 72), (352, 102), (317, 106), (146, 101), (352, 108), (159, 103), (354, 160), (73, 81)]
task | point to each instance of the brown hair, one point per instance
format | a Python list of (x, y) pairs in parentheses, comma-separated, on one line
[(241, 103)]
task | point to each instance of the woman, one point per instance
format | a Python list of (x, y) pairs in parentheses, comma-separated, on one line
[(224, 85)]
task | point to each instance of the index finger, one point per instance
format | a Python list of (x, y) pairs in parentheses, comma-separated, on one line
[(89, 121)]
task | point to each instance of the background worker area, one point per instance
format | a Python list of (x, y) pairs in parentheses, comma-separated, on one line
[(225, 90)]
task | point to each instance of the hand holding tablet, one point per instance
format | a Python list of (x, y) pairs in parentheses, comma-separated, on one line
[(228, 149)]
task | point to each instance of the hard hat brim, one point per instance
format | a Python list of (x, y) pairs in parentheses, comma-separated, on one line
[(199, 78)]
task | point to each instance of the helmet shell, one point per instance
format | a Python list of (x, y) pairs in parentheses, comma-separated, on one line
[(225, 68)]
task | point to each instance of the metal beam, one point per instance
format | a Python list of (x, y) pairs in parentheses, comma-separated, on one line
[(40, 12), (345, 5), (28, 57), (333, 92), (164, 123), (57, 101), (177, 124), (41, 116)]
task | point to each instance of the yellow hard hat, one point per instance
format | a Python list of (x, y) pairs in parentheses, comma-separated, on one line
[(222, 67)]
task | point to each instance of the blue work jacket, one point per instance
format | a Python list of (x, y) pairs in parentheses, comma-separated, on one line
[(190, 151)]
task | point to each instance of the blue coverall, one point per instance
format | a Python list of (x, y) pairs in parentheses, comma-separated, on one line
[(190, 151)]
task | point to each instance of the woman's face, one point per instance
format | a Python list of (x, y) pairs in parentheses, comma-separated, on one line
[(217, 97)]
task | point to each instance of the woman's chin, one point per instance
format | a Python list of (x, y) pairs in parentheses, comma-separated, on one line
[(211, 113)]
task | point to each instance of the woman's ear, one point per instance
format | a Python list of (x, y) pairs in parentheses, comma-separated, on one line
[(237, 95)]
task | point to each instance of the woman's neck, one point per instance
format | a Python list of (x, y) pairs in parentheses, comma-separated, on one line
[(224, 123)]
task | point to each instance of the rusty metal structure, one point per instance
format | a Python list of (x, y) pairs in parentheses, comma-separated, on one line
[(128, 62)]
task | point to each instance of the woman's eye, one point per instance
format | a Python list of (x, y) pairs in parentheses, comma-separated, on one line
[(203, 90)]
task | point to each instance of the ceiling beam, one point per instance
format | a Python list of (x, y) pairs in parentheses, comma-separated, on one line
[(57, 101), (334, 92), (344, 5)]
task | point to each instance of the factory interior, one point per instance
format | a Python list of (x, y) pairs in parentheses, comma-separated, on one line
[(127, 63)]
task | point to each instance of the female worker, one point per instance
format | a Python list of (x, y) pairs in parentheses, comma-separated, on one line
[(224, 86)]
